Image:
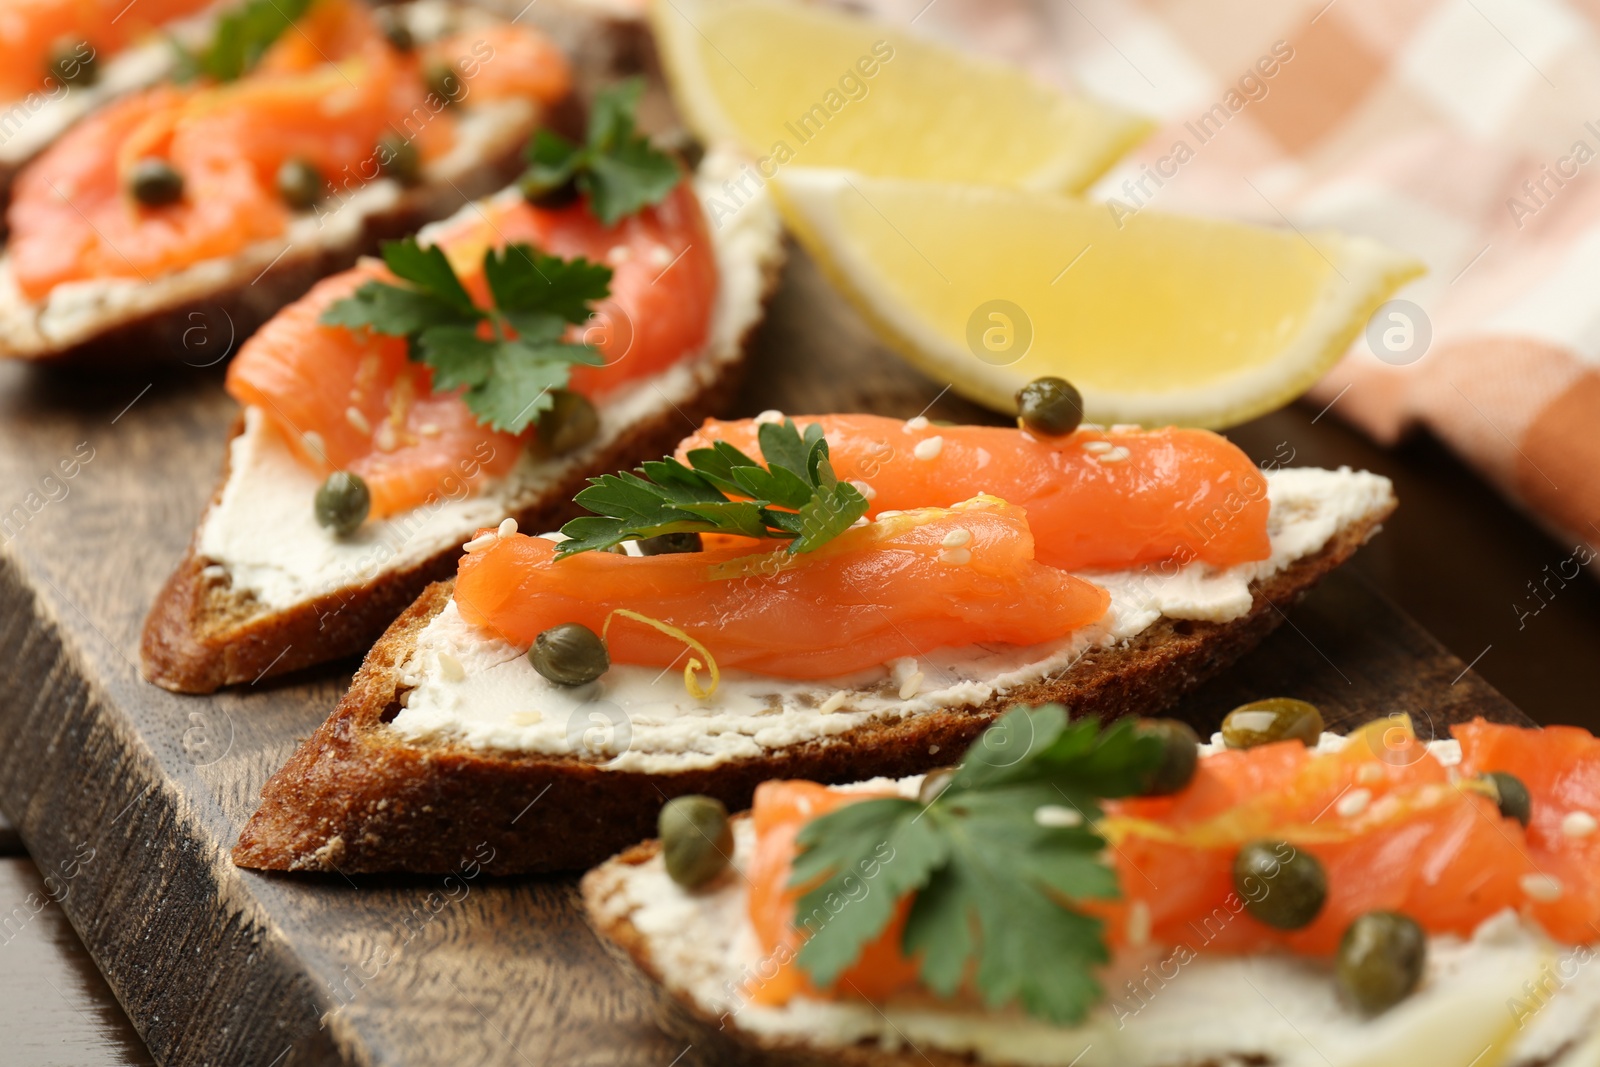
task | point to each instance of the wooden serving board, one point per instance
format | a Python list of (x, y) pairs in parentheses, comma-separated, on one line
[(134, 795)]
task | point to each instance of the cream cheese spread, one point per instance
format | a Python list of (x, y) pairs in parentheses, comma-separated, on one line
[(1505, 996), (479, 691), (263, 536)]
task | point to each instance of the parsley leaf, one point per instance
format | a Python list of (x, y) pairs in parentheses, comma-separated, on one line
[(992, 886), (508, 358), (241, 38), (615, 166), (721, 490)]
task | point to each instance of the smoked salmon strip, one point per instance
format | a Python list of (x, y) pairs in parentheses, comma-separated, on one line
[(874, 594), (352, 400), (328, 92), (1416, 839), (32, 30), (1095, 499)]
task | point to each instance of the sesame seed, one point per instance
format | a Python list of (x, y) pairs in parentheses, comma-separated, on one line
[(929, 447), (1370, 774), (1094, 427), (1578, 824), (1139, 924), (909, 687), (527, 718), (659, 255), (956, 557), (619, 254), (1354, 802), (1542, 887), (429, 429), (918, 423), (450, 668), (769, 415), (507, 527), (864, 489), (1098, 446), (480, 542), (1056, 816), (835, 702), (314, 443), (957, 537), (889, 515), (1116, 455), (1124, 427), (385, 437), (933, 750), (355, 418)]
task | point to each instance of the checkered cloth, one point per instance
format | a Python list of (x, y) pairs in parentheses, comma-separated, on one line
[(1466, 132)]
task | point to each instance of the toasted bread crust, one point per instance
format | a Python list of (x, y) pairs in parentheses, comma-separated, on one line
[(357, 798), (201, 636)]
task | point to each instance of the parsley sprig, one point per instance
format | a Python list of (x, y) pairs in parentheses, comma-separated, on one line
[(722, 490), (242, 36), (615, 166), (992, 885), (510, 374)]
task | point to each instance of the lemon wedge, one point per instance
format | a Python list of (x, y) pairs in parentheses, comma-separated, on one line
[(1155, 318), (803, 85)]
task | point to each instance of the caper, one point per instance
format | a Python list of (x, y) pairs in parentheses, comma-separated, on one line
[(570, 422), (74, 63), (934, 783), (1049, 407), (696, 840), (1381, 957), (343, 502), (669, 543), (1511, 795), (1280, 885), (300, 183), (1262, 722), (444, 81), (396, 31), (155, 182), (398, 159), (569, 654), (1180, 755)]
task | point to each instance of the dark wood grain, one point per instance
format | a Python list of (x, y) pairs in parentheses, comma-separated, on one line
[(219, 965), (55, 1008)]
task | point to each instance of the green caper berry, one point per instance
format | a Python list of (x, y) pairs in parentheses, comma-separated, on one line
[(667, 544), (155, 183), (1049, 407), (1262, 722), (300, 183), (1280, 885), (74, 63), (1180, 755), (1511, 795), (696, 840), (1380, 962), (934, 783), (396, 31), (398, 159), (342, 503), (444, 81), (569, 654), (570, 422)]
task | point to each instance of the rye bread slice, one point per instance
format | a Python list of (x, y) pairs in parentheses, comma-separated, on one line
[(231, 298), (356, 797)]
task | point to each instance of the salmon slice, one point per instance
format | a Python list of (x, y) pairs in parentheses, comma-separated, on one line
[(31, 31), (328, 92), (872, 595), (780, 810), (1095, 499), (663, 282), (1412, 840), (411, 444)]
